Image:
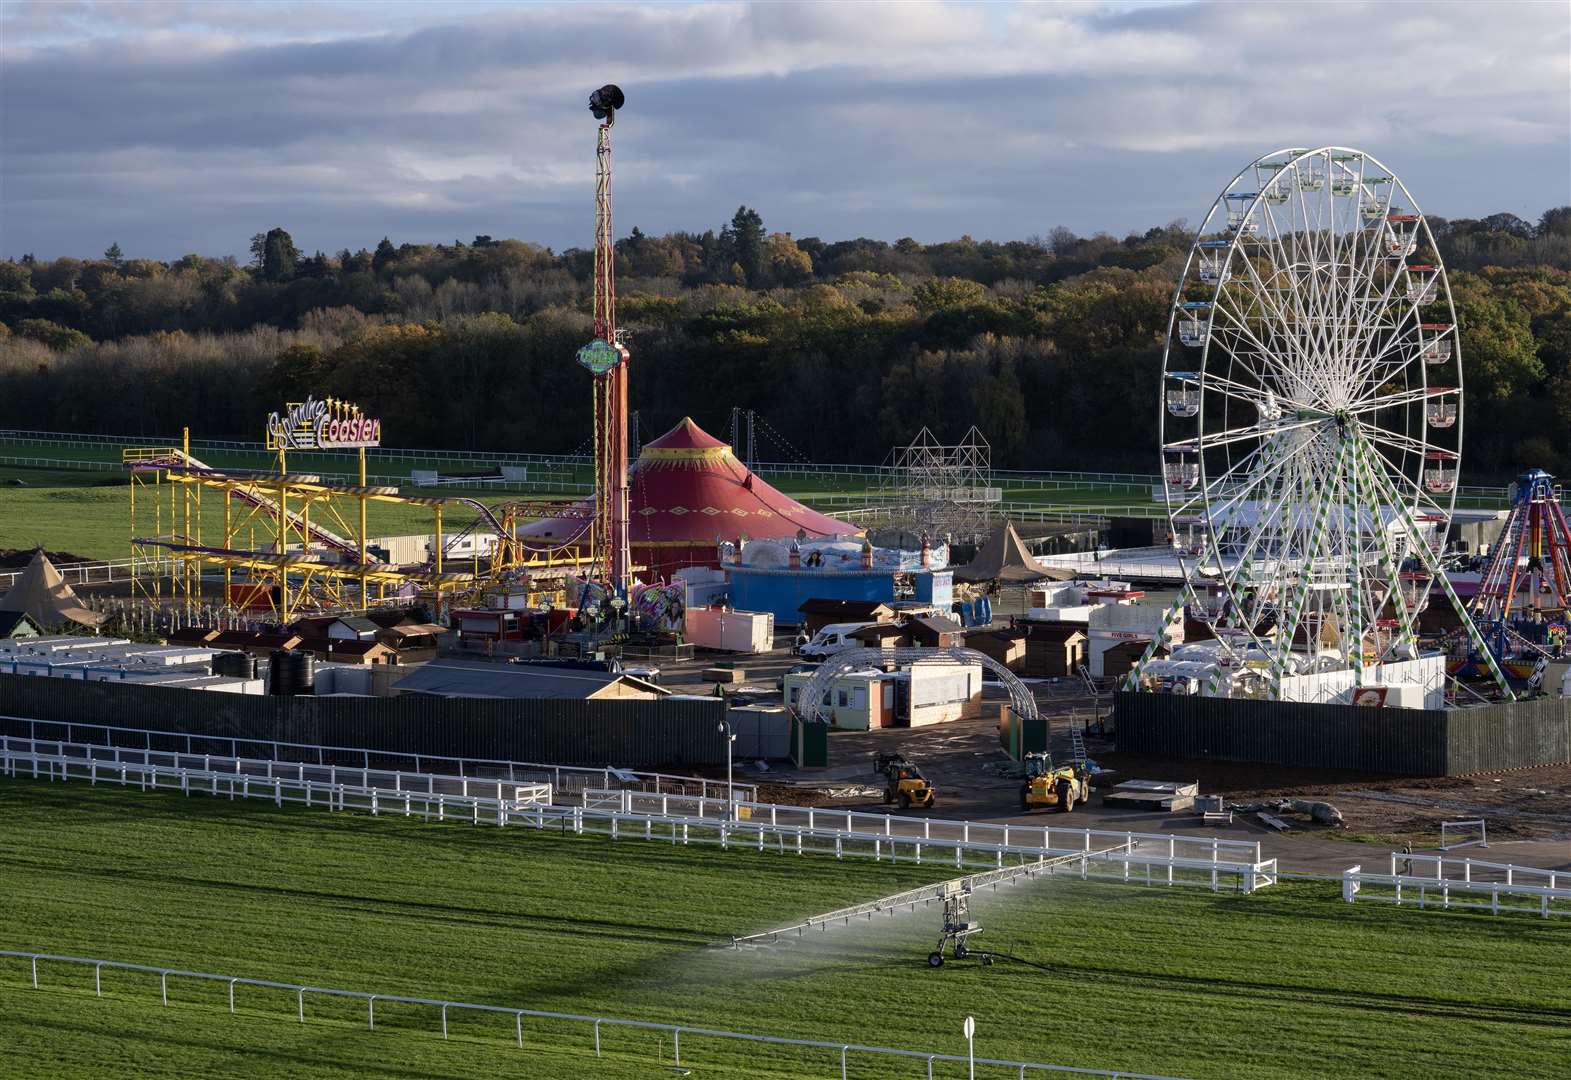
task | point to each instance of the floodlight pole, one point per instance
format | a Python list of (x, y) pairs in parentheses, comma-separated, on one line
[(730, 792)]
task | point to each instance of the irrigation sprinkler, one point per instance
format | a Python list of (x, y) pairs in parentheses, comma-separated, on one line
[(957, 928), (955, 895)]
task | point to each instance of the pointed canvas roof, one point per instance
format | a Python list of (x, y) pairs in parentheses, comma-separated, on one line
[(1004, 558), (686, 436), (686, 493), (44, 596)]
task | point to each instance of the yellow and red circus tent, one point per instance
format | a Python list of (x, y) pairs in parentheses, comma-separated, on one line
[(688, 493)]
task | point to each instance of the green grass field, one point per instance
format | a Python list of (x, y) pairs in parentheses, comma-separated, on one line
[(1289, 982), (85, 511), (88, 514)]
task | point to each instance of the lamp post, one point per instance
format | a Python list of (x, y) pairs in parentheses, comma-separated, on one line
[(730, 796)]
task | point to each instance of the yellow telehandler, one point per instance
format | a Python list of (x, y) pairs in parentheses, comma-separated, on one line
[(903, 781), (1047, 784)]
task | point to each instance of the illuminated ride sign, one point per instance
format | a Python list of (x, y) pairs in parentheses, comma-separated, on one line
[(322, 425), (600, 356)]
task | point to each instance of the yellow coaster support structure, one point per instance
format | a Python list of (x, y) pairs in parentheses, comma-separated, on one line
[(315, 556)]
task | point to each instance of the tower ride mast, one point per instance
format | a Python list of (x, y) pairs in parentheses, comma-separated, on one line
[(606, 358)]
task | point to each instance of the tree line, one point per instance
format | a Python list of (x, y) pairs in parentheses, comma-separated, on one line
[(1051, 346)]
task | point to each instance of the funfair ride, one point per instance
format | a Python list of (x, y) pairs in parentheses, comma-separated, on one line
[(1311, 420), (606, 358), (291, 543), (1525, 591)]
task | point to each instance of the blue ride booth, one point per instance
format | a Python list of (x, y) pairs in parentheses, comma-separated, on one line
[(780, 577)]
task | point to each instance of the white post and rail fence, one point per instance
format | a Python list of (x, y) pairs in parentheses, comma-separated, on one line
[(594, 1027), (1446, 882), (1136, 858)]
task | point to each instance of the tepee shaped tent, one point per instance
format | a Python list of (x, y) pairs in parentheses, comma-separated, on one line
[(1004, 558), (686, 493), (43, 596)]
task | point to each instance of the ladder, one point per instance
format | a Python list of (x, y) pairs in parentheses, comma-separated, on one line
[(1077, 745)]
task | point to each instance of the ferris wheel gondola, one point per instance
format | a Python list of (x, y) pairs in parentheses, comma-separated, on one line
[(1299, 425)]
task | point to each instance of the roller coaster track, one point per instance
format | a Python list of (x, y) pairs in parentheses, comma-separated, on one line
[(531, 509), (254, 493)]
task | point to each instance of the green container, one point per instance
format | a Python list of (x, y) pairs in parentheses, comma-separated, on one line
[(809, 744), (1019, 735)]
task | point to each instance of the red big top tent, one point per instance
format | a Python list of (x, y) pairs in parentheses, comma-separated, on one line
[(687, 492)]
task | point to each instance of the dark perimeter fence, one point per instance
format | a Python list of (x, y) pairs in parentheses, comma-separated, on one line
[(1407, 742)]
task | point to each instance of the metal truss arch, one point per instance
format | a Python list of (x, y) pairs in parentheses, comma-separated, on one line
[(810, 699)]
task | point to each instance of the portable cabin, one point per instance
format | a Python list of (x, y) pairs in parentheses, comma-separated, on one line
[(820, 612), (1007, 646), (1053, 650), (855, 701)]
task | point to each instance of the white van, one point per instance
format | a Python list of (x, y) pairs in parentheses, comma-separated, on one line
[(832, 639)]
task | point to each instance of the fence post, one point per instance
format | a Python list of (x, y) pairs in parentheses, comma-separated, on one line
[(843, 1062), (597, 1038), (98, 980), (370, 1012), (444, 1021), (300, 1002), (676, 1045), (35, 973), (518, 1028), (231, 995), (163, 986)]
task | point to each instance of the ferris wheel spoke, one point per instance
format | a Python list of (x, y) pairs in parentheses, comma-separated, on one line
[(1272, 364), (1269, 297), (1236, 435), (1251, 472), (1264, 496), (1385, 437), (1391, 560), (1243, 391), (1393, 401), (1394, 341)]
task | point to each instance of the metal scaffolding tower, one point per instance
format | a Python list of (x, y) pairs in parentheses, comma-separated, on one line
[(941, 489)]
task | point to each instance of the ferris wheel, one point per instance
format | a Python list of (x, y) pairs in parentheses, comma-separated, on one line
[(1311, 415)]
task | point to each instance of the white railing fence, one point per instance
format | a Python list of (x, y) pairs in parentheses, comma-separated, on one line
[(1165, 851), (1493, 887), (497, 802), (840, 1052), (95, 573), (88, 740), (1451, 868)]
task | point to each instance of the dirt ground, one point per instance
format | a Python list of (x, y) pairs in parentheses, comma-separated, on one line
[(1528, 811)]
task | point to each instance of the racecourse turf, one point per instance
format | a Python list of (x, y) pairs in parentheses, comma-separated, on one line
[(1289, 982)]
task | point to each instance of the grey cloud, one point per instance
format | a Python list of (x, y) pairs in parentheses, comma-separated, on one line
[(172, 144)]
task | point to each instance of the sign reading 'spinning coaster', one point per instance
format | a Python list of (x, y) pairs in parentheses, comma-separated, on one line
[(329, 424)]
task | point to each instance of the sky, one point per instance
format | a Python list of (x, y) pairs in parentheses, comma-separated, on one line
[(176, 127)]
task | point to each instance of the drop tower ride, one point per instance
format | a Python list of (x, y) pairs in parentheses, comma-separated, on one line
[(606, 358)]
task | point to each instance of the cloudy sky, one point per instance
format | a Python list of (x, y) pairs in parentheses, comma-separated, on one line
[(177, 127)]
